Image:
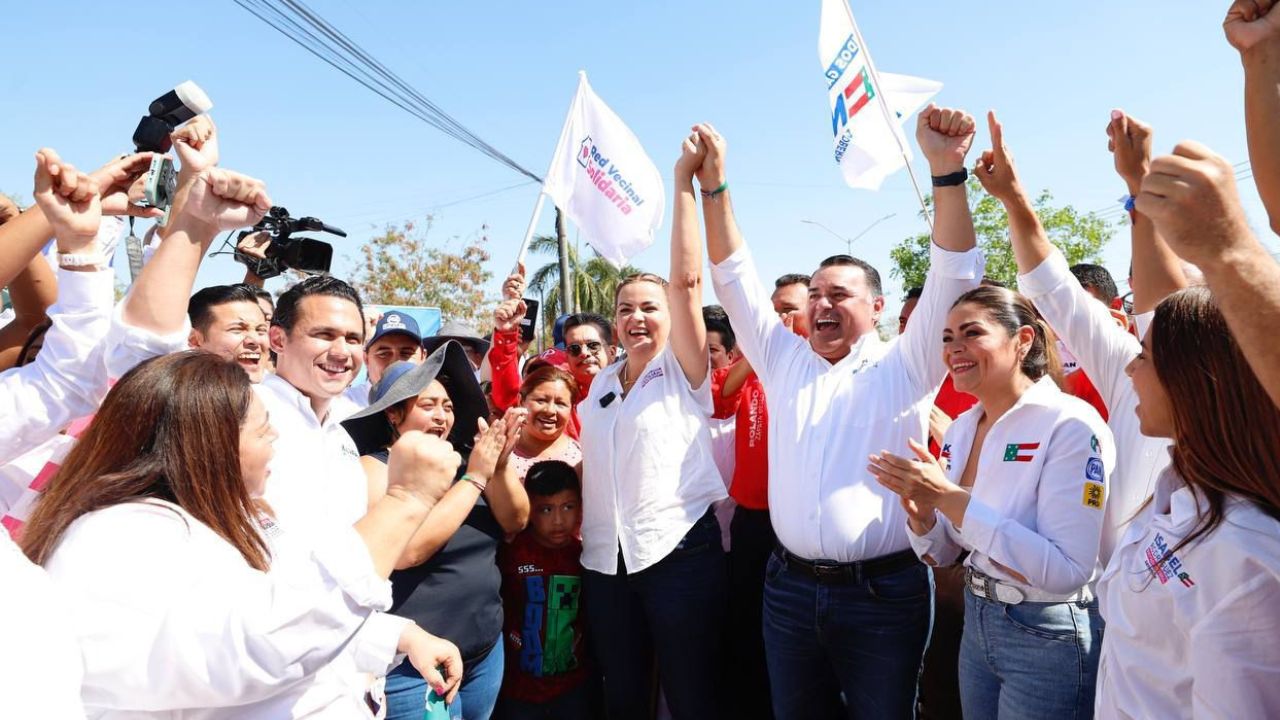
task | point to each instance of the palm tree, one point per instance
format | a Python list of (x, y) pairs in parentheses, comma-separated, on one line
[(594, 281)]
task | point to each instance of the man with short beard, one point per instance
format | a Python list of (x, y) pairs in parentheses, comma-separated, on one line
[(847, 605), (228, 321)]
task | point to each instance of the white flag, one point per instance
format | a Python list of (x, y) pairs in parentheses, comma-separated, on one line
[(866, 117), (602, 179)]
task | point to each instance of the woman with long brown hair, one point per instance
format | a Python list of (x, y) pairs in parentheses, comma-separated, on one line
[(1191, 594), (1019, 488), (154, 534)]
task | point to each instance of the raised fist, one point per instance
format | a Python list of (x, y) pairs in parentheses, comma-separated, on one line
[(1191, 197), (68, 198), (422, 465), (223, 200), (196, 144), (509, 314), (945, 136), (1129, 139), (995, 168), (692, 152), (1250, 23)]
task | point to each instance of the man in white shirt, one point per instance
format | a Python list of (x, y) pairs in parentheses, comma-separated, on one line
[(847, 607), (318, 337), (228, 321)]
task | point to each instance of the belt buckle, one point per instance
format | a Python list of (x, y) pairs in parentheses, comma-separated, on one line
[(825, 569)]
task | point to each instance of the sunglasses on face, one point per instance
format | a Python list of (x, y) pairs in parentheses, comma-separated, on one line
[(577, 350)]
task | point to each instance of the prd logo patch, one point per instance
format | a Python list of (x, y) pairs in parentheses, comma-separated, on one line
[(1094, 494)]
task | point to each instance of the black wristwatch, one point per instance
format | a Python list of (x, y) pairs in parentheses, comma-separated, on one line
[(956, 178)]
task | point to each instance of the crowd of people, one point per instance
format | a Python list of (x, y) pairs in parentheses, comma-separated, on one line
[(1031, 502)]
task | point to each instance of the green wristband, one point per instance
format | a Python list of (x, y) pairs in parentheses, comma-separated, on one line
[(712, 193)]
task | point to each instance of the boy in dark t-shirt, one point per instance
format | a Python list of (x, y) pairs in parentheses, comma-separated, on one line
[(546, 673)]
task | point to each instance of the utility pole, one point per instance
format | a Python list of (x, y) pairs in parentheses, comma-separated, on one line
[(566, 284)]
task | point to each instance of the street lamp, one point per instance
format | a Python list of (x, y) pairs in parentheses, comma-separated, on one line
[(849, 241)]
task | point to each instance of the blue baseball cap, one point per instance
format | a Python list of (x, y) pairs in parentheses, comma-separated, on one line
[(396, 322), (557, 332)]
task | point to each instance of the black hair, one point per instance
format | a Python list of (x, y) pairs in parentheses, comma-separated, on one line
[(260, 293), (287, 306), (1012, 311), (988, 281), (913, 293), (200, 306), (791, 279), (717, 321), (873, 275), (602, 324), (549, 477), (25, 356), (1098, 278)]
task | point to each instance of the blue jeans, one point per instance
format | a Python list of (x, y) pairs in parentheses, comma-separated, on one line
[(674, 610), (407, 691), (862, 638), (1031, 660)]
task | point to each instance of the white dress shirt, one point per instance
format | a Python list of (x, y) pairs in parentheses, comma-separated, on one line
[(316, 478), (40, 661), (825, 419), (1036, 505), (1103, 350), (1198, 635), (66, 381), (173, 623), (648, 472)]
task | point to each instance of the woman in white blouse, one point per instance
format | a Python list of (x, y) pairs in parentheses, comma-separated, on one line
[(1192, 594), (655, 580), (1020, 487), (154, 535)]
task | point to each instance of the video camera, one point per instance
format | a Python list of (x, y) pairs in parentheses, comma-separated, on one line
[(306, 255), (164, 115)]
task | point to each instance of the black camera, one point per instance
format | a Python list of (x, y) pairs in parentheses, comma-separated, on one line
[(166, 113), (306, 255)]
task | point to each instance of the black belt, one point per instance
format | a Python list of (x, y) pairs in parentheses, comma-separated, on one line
[(830, 571)]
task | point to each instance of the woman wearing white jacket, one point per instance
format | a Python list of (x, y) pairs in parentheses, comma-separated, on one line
[(1020, 488), (153, 534)]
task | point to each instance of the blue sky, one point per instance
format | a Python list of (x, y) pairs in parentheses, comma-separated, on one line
[(77, 75)]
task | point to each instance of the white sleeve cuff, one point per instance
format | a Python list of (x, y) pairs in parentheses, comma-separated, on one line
[(1046, 277), (343, 556), (127, 345), (965, 265), (979, 529), (373, 649), (83, 291), (733, 267), (930, 542)]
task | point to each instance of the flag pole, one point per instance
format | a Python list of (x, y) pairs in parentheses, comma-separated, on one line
[(888, 115), (528, 233), (561, 145)]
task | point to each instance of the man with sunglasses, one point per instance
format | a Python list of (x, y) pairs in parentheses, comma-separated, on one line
[(588, 341)]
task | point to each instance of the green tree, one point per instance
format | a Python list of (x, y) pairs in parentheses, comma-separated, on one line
[(1080, 236), (400, 267), (594, 280)]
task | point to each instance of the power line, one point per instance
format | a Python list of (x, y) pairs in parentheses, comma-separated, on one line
[(313, 33)]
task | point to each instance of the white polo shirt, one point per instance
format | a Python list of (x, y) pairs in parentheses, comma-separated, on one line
[(1036, 505), (316, 479), (648, 472), (1197, 635), (1103, 350), (825, 420)]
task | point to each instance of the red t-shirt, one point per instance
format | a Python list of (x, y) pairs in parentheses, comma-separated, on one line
[(543, 622), (750, 487), (952, 402)]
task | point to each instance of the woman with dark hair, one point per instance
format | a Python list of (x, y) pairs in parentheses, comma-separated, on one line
[(1191, 594), (447, 578), (548, 395), (154, 534), (1019, 487)]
